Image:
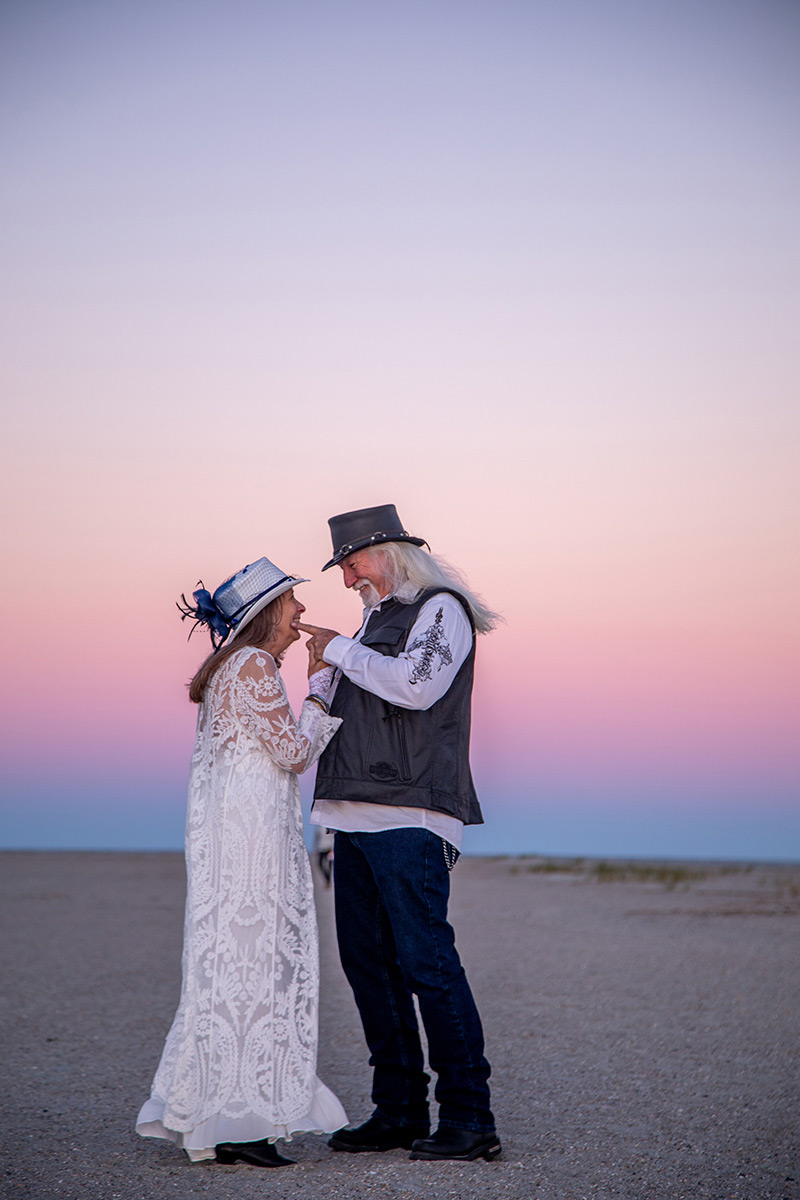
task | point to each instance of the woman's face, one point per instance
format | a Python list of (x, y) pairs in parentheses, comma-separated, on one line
[(286, 631)]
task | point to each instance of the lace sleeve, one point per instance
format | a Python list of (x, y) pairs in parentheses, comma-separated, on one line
[(261, 708)]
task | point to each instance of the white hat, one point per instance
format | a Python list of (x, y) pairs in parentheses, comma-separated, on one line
[(238, 599)]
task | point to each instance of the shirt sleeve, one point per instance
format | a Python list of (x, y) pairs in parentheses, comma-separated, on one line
[(439, 642)]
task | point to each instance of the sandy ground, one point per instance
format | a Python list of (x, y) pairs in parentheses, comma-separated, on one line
[(643, 1033)]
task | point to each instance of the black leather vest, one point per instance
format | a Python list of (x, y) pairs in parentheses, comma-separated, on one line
[(384, 754)]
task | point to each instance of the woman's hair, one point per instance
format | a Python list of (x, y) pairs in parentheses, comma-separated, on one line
[(255, 633), (411, 569)]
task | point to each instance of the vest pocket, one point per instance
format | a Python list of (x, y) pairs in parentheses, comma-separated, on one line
[(384, 771)]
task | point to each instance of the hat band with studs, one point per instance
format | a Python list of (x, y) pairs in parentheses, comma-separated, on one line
[(382, 535)]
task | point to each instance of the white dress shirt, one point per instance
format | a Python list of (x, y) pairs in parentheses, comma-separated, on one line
[(438, 643)]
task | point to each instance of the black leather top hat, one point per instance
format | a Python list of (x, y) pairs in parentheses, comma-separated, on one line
[(352, 531)]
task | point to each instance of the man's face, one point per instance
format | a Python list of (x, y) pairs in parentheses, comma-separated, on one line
[(363, 570)]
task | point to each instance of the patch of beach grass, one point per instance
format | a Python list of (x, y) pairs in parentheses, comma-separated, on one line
[(547, 866), (668, 875)]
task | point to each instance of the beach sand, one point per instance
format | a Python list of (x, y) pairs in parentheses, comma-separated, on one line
[(643, 1029)]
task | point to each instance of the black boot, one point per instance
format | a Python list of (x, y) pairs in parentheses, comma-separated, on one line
[(376, 1134), (257, 1154), (460, 1144)]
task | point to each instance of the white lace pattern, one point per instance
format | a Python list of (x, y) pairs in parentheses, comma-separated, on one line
[(240, 1059)]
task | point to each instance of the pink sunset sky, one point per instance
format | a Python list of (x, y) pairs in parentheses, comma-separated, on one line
[(529, 271)]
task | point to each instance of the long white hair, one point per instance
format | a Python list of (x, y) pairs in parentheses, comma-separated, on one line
[(410, 569)]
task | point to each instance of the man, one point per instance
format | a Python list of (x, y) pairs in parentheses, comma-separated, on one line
[(396, 786)]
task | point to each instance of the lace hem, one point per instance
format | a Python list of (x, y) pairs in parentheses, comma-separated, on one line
[(325, 1115)]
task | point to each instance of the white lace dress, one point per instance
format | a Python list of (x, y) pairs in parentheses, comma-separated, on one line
[(240, 1060)]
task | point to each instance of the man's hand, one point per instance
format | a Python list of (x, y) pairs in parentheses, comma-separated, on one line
[(316, 643)]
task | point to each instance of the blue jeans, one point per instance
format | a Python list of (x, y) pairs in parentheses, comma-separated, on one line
[(392, 889)]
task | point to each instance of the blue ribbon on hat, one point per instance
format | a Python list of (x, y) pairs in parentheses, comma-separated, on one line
[(205, 612)]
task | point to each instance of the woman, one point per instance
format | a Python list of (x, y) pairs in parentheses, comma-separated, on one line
[(239, 1065)]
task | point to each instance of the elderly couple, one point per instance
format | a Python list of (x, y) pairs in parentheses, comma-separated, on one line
[(388, 717)]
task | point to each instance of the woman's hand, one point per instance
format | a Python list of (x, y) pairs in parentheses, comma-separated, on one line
[(315, 664), (316, 645)]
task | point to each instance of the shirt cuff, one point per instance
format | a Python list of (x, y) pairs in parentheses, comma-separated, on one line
[(336, 649)]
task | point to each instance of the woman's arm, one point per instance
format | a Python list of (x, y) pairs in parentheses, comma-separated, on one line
[(262, 709)]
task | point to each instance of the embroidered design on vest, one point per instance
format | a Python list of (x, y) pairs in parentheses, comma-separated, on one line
[(383, 772), (434, 643)]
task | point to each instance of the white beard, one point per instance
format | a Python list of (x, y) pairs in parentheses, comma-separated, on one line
[(369, 594)]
